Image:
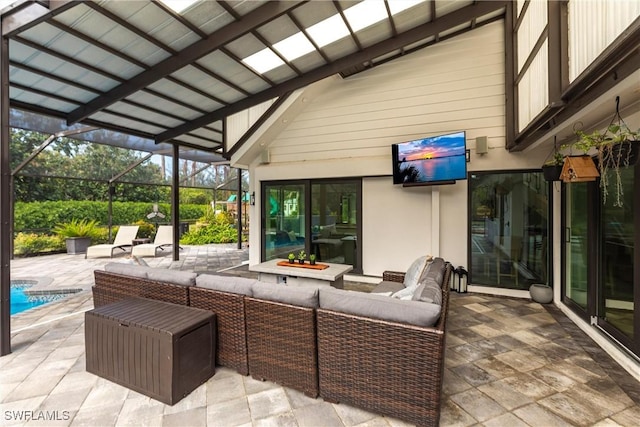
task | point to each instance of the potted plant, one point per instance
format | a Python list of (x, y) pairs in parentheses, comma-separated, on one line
[(617, 147), (77, 234), (553, 167), (312, 259), (292, 258), (302, 255)]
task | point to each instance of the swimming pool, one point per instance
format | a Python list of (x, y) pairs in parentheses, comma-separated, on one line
[(22, 299)]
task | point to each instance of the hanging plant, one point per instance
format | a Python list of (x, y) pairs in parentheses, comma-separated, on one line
[(552, 167), (617, 147)]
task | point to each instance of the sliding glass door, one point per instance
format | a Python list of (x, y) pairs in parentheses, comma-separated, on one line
[(321, 217), (601, 277), (508, 229), (618, 275), (284, 216), (576, 243)]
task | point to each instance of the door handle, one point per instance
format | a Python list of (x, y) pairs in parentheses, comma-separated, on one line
[(567, 234)]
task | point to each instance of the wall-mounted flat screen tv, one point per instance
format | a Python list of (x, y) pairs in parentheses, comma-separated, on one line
[(438, 159)]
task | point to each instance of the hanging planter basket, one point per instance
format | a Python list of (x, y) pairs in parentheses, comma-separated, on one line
[(623, 154), (553, 165), (552, 172), (579, 169)]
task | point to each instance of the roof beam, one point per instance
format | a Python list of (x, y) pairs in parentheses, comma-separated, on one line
[(216, 40), (415, 34), (29, 16)]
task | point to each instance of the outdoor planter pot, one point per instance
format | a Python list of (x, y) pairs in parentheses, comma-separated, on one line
[(541, 293), (622, 154), (552, 172), (77, 245)]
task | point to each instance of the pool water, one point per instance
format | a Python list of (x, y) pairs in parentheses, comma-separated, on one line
[(20, 301), (23, 300)]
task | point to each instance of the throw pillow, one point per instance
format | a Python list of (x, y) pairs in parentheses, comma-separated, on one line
[(405, 293), (428, 291), (414, 272)]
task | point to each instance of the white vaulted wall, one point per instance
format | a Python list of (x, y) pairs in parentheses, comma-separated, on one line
[(347, 131)]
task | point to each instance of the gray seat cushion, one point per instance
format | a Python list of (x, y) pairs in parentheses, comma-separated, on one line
[(379, 307), (303, 296), (231, 284), (176, 277), (387, 286), (132, 270)]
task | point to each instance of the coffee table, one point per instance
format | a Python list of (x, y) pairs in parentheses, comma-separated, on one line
[(271, 272)]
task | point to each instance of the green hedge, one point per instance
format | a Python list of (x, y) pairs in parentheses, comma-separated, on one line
[(45, 215)]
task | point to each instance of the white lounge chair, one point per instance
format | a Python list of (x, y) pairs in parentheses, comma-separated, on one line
[(124, 236), (164, 238)]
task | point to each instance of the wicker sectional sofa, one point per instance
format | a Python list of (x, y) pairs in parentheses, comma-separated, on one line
[(376, 352)]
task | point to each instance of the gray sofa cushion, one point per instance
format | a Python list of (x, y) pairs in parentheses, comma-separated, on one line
[(428, 291), (387, 286), (176, 277), (436, 270), (231, 284), (303, 296), (379, 307), (132, 270)]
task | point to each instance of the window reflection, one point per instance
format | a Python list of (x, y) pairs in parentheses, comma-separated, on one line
[(509, 228)]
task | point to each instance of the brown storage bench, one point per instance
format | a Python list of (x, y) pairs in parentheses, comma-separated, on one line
[(159, 349)]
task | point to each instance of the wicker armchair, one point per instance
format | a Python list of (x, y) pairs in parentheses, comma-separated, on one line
[(386, 367), (111, 287), (393, 276), (282, 347), (229, 308)]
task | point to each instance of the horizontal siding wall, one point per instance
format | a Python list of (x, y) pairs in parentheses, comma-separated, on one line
[(238, 124), (454, 85)]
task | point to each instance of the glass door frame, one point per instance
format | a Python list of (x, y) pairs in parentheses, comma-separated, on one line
[(307, 183), (593, 314), (264, 197), (593, 229), (633, 344)]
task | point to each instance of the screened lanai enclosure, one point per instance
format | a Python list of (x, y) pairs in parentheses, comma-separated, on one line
[(162, 77)]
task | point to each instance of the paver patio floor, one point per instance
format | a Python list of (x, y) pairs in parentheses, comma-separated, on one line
[(509, 362)]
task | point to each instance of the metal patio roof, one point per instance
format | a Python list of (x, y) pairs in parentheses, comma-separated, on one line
[(137, 68)]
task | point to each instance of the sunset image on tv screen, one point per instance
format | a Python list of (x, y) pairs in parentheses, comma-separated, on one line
[(438, 158)]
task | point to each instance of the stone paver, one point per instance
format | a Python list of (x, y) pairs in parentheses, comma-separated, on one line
[(508, 362)]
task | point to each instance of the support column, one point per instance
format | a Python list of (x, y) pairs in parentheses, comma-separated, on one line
[(6, 193), (435, 222), (239, 208), (175, 201)]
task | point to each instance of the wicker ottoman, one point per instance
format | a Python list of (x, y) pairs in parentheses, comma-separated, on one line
[(159, 349)]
